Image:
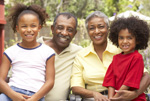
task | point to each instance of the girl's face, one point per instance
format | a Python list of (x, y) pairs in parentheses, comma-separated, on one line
[(28, 27), (97, 30), (126, 41)]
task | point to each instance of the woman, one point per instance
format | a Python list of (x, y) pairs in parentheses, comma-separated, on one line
[(87, 77)]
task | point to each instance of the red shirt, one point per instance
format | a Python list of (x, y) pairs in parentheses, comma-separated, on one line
[(126, 70)]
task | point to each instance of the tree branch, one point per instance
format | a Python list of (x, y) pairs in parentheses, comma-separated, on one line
[(58, 7)]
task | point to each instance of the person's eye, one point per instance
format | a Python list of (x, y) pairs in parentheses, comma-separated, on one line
[(70, 30), (120, 37), (59, 27), (33, 25), (91, 28), (129, 38), (23, 26), (101, 26)]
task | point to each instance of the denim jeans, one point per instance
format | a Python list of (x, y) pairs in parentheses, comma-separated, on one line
[(4, 97)]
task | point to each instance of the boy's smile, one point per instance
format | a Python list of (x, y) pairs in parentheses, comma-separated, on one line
[(126, 41)]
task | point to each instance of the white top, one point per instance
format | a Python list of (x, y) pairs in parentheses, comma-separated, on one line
[(28, 66)]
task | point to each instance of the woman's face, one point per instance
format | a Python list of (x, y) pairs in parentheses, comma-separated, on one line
[(97, 30)]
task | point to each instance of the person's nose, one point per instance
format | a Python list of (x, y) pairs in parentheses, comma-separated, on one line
[(125, 40), (28, 29), (97, 31), (64, 32)]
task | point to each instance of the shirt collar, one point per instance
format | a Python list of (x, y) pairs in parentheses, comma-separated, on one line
[(67, 49), (112, 48), (109, 48), (89, 49)]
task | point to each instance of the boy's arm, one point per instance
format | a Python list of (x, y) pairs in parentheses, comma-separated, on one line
[(111, 92), (129, 95), (123, 87)]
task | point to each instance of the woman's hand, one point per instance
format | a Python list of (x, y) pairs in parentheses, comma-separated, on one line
[(99, 97)]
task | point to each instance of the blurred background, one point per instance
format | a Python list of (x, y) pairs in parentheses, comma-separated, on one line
[(81, 8)]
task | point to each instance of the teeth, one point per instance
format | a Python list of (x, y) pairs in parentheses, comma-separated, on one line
[(63, 39), (97, 37), (125, 46), (29, 35)]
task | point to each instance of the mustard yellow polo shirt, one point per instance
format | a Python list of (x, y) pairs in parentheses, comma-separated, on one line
[(88, 70)]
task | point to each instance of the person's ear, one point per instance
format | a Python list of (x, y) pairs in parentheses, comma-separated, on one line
[(137, 43), (75, 32), (39, 28), (17, 29), (52, 29)]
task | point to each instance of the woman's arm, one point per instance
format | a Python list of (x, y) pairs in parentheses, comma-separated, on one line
[(49, 81), (125, 94), (78, 83), (145, 82), (88, 93)]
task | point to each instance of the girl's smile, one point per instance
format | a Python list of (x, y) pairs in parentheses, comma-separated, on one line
[(28, 27)]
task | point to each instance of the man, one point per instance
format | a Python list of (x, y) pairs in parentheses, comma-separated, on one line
[(63, 30)]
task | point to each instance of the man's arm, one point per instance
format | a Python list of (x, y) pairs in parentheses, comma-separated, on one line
[(129, 95)]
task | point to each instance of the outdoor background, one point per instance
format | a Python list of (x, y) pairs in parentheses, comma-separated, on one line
[(81, 8)]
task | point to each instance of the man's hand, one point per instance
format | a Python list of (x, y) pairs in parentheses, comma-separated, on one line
[(124, 95)]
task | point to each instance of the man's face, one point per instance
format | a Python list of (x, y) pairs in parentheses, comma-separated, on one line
[(64, 31)]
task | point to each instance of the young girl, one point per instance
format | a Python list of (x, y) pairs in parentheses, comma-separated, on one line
[(126, 69), (32, 63)]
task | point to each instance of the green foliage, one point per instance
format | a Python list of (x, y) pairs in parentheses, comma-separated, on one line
[(145, 7), (112, 7), (81, 8), (84, 43), (146, 57)]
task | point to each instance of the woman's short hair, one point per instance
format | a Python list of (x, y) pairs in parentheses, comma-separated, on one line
[(97, 14)]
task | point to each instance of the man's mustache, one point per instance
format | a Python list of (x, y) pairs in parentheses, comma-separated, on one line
[(62, 36)]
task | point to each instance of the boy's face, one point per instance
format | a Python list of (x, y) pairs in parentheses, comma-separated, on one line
[(126, 41), (28, 27)]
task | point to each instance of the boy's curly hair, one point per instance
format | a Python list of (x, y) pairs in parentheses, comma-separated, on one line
[(16, 10), (137, 27)]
